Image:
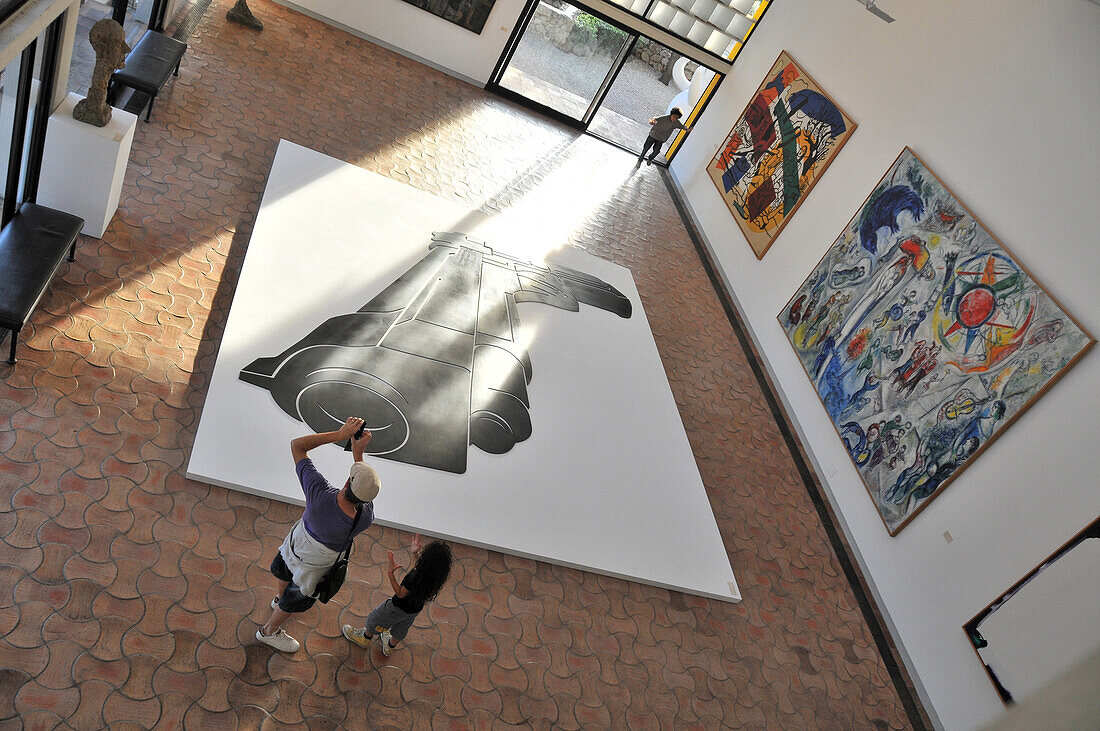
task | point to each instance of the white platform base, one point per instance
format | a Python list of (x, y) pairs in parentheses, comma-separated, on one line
[(607, 482), (83, 166)]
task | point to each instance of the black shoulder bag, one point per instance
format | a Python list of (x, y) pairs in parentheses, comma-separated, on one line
[(334, 578)]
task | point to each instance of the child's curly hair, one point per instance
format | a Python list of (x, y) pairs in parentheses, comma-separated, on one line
[(433, 566)]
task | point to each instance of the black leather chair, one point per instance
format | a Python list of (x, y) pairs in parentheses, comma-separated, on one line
[(32, 247)]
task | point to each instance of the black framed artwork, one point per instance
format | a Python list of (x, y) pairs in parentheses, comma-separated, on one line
[(470, 14)]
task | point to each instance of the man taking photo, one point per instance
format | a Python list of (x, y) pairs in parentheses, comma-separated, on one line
[(332, 518)]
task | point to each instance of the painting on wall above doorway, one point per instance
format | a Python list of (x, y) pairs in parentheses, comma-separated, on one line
[(778, 149), (470, 14), (925, 338)]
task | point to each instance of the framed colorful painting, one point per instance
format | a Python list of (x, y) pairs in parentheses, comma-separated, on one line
[(777, 151), (925, 338)]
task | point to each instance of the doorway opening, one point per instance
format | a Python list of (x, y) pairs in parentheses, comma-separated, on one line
[(599, 76)]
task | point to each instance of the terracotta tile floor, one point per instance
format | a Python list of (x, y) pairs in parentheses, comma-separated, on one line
[(129, 595)]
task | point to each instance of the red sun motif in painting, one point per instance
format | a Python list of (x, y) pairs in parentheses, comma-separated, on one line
[(993, 310)]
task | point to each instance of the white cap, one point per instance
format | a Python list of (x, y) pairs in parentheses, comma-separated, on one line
[(365, 482)]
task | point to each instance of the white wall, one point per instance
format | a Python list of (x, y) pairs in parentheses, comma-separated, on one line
[(421, 35), (1000, 98)]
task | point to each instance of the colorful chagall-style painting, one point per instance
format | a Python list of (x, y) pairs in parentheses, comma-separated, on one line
[(924, 338), (777, 151), (470, 14)]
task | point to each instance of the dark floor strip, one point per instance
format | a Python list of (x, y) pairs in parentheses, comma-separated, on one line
[(137, 103), (904, 689), (191, 20)]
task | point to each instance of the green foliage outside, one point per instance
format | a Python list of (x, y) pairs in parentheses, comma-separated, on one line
[(599, 32)]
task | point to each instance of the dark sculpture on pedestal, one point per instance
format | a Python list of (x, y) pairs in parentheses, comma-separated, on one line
[(240, 13), (109, 41)]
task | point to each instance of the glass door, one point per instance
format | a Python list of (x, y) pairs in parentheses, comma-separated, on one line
[(599, 76), (653, 81), (563, 61)]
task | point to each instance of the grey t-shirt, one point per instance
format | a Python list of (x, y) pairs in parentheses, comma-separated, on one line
[(664, 127)]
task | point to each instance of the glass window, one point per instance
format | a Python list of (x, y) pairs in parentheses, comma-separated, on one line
[(9, 77), (91, 12), (653, 81), (563, 58)]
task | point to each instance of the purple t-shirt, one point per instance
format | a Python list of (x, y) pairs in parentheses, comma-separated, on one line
[(324, 520)]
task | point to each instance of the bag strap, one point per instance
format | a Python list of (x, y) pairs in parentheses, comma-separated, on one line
[(346, 548), (351, 533)]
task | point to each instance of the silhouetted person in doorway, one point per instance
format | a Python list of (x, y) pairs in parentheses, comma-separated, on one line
[(661, 128)]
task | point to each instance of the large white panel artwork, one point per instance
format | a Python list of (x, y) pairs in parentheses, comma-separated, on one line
[(569, 447)]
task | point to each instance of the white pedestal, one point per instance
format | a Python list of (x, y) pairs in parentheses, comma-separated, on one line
[(83, 165)]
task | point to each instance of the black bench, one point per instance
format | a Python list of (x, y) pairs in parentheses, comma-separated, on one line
[(148, 66), (32, 247)]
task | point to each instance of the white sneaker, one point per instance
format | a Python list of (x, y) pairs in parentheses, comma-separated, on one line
[(275, 602), (387, 648), (280, 640)]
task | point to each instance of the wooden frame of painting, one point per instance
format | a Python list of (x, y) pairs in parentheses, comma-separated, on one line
[(1068, 598), (790, 130), (924, 338), (468, 14)]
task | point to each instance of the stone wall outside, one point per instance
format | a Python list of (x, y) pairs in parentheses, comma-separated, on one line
[(560, 28)]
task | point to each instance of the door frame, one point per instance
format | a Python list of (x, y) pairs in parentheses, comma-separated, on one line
[(28, 136), (514, 40), (582, 124)]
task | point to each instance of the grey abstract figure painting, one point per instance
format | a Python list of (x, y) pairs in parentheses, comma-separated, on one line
[(470, 14), (432, 362)]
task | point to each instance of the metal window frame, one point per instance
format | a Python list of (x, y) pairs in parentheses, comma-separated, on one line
[(510, 47), (30, 174), (47, 80), (156, 15), (18, 131), (612, 76), (118, 11), (582, 124), (608, 12)]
